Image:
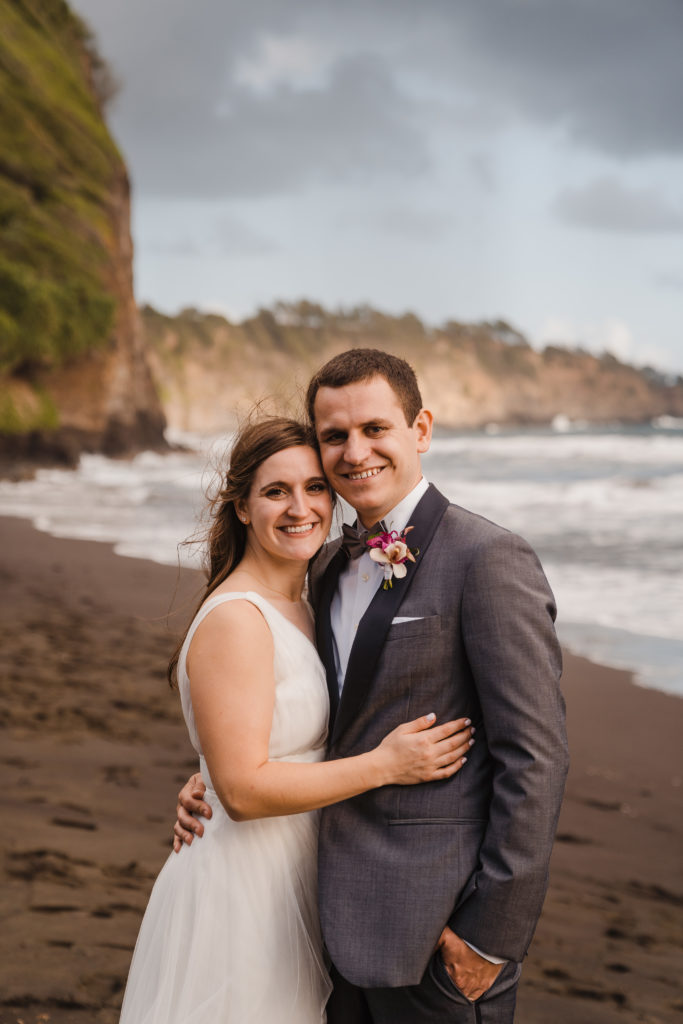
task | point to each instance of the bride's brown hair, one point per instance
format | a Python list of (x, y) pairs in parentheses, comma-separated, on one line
[(227, 535)]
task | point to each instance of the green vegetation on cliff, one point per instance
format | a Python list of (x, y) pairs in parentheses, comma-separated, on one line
[(57, 161)]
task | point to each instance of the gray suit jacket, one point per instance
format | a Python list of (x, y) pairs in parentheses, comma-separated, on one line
[(396, 864)]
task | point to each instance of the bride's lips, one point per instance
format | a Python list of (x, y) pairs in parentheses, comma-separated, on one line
[(298, 529)]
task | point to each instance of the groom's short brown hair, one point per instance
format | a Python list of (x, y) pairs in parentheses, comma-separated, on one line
[(360, 364)]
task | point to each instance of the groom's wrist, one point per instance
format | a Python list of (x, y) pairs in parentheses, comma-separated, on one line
[(485, 956)]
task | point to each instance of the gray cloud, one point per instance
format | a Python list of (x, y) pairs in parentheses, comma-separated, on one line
[(413, 224), (609, 73), (230, 238), (233, 238), (608, 205), (182, 247), (191, 126), (668, 279), (247, 144), (483, 170)]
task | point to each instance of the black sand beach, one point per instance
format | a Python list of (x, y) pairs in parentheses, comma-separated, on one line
[(94, 750)]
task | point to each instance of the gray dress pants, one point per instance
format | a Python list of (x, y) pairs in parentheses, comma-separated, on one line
[(435, 1000)]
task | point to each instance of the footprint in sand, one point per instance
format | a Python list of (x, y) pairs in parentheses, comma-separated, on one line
[(87, 826), (121, 775)]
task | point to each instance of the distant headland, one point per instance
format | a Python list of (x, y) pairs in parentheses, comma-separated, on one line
[(471, 374)]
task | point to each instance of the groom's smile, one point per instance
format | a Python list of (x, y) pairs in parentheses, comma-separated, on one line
[(370, 453), (365, 474)]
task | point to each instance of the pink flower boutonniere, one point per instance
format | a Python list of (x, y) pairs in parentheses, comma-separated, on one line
[(391, 551)]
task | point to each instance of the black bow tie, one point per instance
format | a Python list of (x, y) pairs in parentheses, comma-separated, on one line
[(354, 542)]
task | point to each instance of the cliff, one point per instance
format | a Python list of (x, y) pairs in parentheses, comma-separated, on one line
[(73, 367), (207, 368)]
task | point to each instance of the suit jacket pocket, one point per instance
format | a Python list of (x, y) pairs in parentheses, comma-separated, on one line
[(428, 626), (468, 889)]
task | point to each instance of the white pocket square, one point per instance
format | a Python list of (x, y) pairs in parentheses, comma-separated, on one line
[(406, 618)]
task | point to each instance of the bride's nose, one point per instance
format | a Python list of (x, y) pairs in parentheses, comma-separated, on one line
[(298, 505)]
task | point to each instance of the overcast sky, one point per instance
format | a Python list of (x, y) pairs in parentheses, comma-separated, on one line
[(462, 159)]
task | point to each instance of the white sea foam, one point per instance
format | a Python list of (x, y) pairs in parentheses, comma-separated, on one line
[(585, 449), (145, 506), (668, 422)]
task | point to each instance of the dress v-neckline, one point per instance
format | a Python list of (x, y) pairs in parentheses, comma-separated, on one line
[(284, 617)]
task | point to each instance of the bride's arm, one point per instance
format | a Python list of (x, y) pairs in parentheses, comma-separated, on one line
[(230, 665)]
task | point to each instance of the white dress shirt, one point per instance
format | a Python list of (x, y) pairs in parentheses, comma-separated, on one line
[(358, 583)]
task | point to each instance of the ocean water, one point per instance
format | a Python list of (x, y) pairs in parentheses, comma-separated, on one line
[(603, 509)]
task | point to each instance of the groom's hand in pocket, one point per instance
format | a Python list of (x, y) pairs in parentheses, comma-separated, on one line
[(470, 973), (190, 806)]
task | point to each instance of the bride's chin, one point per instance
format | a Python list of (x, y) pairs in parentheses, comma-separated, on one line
[(302, 541), (302, 553)]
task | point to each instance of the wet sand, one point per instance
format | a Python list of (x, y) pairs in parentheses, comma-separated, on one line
[(94, 750)]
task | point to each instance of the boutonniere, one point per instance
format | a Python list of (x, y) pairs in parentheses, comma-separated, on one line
[(391, 551)]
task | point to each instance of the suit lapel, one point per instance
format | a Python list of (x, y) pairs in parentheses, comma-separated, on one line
[(323, 627), (374, 626)]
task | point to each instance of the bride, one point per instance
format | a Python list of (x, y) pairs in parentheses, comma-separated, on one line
[(231, 932)]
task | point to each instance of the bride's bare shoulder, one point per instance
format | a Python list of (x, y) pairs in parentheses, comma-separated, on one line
[(237, 624)]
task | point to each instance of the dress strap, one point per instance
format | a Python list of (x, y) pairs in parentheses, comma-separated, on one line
[(213, 602), (206, 609)]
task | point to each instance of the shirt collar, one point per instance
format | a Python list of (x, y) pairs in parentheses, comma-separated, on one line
[(399, 516)]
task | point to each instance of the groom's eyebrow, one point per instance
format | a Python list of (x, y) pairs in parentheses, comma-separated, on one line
[(377, 421), (329, 431)]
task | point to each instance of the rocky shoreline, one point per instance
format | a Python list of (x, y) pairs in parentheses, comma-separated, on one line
[(21, 455)]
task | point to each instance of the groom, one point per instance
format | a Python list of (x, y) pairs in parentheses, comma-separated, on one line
[(429, 894)]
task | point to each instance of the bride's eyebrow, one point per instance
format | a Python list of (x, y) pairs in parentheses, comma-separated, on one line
[(287, 485), (273, 483)]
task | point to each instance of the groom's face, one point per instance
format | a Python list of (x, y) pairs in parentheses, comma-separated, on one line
[(370, 453)]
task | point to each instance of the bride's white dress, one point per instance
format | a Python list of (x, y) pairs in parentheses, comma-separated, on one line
[(231, 932)]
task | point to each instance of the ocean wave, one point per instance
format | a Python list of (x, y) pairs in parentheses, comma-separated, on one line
[(581, 450), (602, 510), (668, 422)]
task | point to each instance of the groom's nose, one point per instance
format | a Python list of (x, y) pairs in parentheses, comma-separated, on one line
[(356, 449)]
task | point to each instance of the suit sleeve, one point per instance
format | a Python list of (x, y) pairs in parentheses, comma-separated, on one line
[(508, 616)]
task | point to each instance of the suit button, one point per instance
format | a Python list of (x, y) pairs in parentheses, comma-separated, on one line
[(365, 577)]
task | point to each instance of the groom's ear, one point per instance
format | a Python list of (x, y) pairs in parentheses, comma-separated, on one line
[(424, 421)]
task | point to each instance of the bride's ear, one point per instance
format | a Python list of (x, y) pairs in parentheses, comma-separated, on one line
[(242, 513)]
